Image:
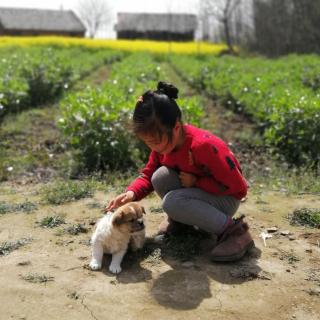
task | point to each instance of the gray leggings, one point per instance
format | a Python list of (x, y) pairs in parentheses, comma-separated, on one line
[(192, 206)]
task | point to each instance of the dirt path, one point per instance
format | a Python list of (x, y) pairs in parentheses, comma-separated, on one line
[(280, 281)]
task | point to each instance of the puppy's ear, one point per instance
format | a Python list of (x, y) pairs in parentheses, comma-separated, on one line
[(144, 211), (119, 218)]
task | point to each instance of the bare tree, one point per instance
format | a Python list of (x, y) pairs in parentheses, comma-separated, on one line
[(95, 14), (222, 10)]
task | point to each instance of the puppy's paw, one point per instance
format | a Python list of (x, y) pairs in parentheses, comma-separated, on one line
[(115, 268), (95, 265)]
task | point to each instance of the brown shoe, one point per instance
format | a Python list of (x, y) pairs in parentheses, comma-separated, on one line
[(169, 227), (234, 242)]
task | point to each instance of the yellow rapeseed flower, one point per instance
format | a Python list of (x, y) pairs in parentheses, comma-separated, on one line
[(128, 45)]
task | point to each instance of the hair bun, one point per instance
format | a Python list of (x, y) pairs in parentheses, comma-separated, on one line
[(167, 88)]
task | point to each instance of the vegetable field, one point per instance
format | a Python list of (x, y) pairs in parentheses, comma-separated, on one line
[(282, 97), (67, 148)]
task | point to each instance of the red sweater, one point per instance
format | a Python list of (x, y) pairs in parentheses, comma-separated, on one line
[(202, 154)]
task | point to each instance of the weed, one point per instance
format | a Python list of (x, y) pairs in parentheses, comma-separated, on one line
[(5, 207), (7, 247), (76, 229), (289, 256), (305, 217), (51, 221), (62, 192), (37, 278), (26, 206)]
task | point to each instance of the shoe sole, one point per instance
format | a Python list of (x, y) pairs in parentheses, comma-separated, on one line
[(234, 257)]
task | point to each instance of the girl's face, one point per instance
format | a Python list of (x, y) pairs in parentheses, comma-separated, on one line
[(162, 144)]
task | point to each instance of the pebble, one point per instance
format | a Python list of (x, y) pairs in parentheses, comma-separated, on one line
[(309, 250), (285, 232), (188, 264), (292, 238), (272, 229), (314, 292)]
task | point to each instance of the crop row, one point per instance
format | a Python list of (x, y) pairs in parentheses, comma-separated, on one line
[(282, 96), (32, 76), (97, 120)]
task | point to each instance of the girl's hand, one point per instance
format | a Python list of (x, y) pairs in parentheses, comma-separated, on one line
[(120, 200), (188, 180)]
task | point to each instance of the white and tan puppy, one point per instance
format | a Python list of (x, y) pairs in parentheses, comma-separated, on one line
[(113, 234)]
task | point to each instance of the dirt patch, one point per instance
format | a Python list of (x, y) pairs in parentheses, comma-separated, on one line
[(48, 276)]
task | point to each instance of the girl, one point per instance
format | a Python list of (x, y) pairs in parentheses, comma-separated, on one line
[(193, 171)]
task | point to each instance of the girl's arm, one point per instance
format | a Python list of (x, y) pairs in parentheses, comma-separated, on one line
[(142, 186)]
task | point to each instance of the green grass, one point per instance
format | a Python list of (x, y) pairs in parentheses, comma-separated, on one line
[(274, 175), (7, 247), (51, 221), (73, 230), (306, 217), (26, 206), (65, 191)]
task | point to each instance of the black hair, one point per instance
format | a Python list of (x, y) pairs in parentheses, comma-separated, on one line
[(156, 111)]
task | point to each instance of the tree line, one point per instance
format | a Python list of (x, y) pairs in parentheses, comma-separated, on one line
[(270, 27)]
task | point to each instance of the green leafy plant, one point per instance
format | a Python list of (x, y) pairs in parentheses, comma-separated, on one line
[(306, 217)]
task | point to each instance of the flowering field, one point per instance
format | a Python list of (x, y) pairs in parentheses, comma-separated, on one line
[(127, 45)]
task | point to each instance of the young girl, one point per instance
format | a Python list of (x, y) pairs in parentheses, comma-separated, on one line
[(193, 171)]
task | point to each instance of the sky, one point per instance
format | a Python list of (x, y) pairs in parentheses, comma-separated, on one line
[(185, 6)]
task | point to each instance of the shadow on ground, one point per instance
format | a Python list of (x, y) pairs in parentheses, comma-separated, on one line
[(192, 276)]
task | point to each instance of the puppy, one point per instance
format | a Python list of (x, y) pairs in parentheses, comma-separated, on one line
[(113, 234)]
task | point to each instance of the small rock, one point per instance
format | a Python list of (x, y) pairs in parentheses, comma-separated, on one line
[(288, 270), (272, 229), (291, 238), (24, 263), (188, 264), (314, 292), (309, 250), (285, 232)]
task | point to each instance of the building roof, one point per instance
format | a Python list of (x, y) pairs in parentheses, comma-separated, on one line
[(38, 19), (141, 22)]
